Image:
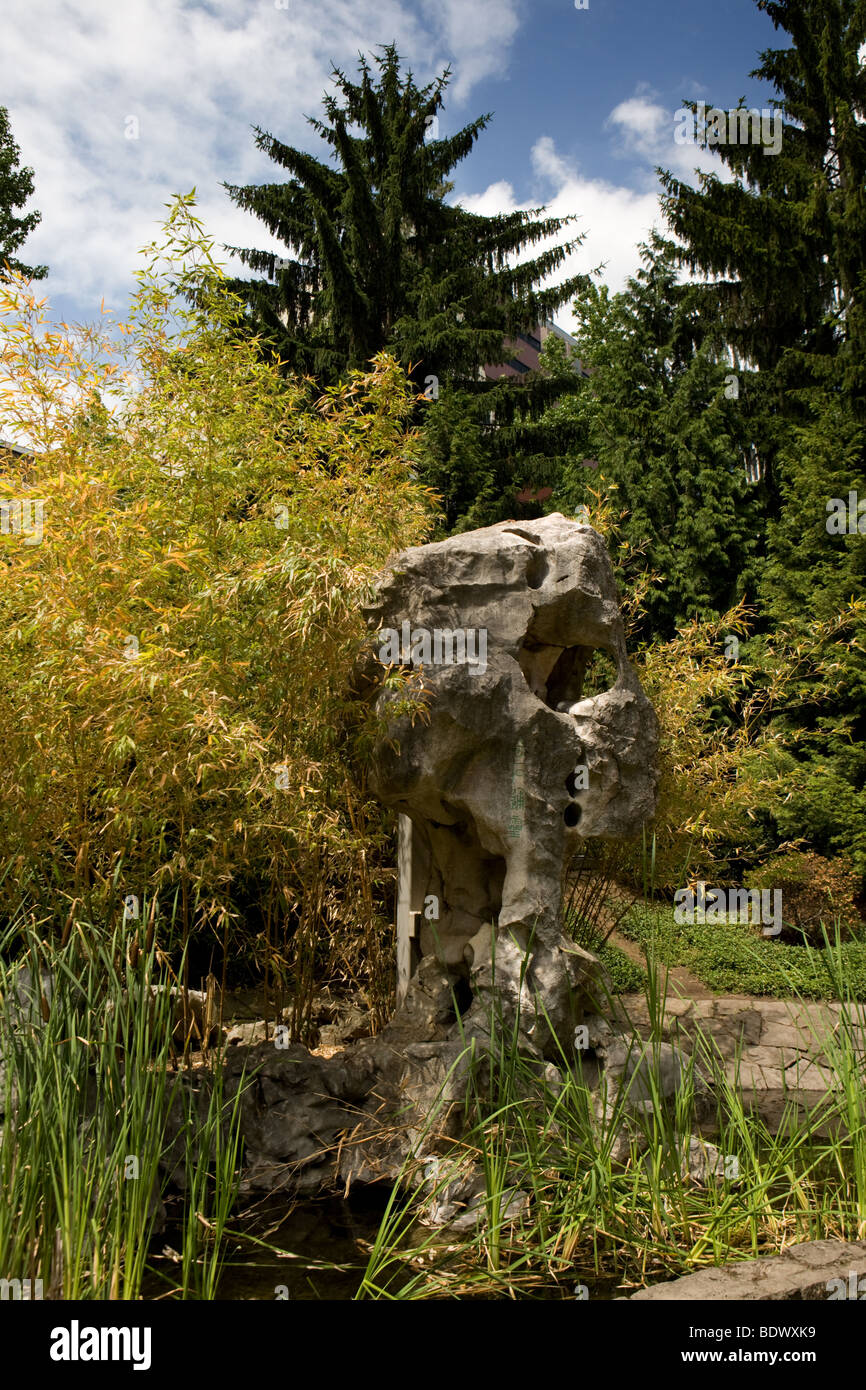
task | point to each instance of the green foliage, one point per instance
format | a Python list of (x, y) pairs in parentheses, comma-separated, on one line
[(785, 239), (456, 463), (780, 247), (717, 756), (814, 891), (669, 443), (176, 651), (730, 958), (812, 574), (376, 257), (626, 976), (16, 186), (560, 1200), (89, 1110), (733, 782), (824, 808)]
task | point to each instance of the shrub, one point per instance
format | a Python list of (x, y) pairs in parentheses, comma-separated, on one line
[(174, 654), (731, 756), (724, 754), (816, 892)]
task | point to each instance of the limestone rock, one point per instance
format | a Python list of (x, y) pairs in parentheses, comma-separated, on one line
[(514, 760), (814, 1270), (459, 1204), (636, 1075)]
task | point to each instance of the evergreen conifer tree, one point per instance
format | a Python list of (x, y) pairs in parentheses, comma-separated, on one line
[(787, 237), (16, 186), (666, 420), (787, 241), (376, 258)]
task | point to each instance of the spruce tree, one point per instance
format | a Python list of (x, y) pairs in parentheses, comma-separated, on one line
[(16, 186), (787, 239), (666, 420), (376, 258)]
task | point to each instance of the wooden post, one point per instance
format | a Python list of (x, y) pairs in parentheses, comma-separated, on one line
[(404, 905), (413, 873)]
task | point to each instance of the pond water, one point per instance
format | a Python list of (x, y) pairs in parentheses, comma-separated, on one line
[(325, 1244)]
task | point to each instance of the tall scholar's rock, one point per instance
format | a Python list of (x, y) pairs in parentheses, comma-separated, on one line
[(508, 766), (512, 763)]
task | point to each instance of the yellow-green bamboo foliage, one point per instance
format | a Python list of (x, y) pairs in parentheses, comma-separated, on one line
[(174, 649)]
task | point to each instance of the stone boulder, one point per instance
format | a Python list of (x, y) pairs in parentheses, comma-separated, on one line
[(516, 758), (816, 1270), (634, 1077)]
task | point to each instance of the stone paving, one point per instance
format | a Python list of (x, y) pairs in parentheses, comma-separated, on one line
[(813, 1271), (777, 1049)]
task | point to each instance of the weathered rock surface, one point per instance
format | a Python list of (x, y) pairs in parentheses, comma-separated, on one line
[(513, 761), (813, 1271), (367, 1113), (635, 1077), (459, 1203), (778, 1054)]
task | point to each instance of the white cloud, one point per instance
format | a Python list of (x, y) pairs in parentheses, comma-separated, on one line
[(647, 132), (615, 218), (644, 124), (481, 32), (195, 77)]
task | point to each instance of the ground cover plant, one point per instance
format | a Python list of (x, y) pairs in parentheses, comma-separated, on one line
[(733, 958)]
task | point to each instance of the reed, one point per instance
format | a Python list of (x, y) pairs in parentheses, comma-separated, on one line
[(611, 1223), (89, 1093)]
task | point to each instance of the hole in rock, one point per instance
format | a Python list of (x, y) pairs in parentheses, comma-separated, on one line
[(560, 676), (599, 674), (572, 816), (462, 994), (537, 570), (571, 784)]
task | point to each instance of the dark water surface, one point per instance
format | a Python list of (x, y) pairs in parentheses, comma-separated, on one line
[(322, 1232), (325, 1243)]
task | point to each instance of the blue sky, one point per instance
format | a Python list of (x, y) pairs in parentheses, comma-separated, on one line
[(584, 104)]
